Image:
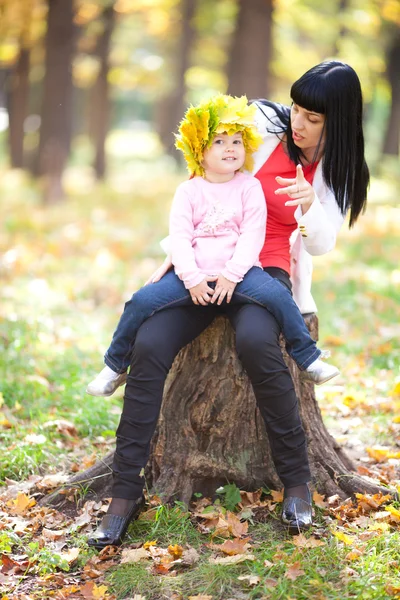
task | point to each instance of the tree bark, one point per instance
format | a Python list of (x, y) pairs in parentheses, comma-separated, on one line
[(210, 431), (343, 5), (100, 106), (392, 137), (251, 50), (56, 116), (18, 96)]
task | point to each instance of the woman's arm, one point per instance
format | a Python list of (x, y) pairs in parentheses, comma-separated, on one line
[(317, 214)]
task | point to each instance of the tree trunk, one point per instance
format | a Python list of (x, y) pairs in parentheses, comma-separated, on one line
[(392, 138), (18, 96), (343, 5), (251, 50), (55, 130), (100, 105), (170, 109), (210, 431)]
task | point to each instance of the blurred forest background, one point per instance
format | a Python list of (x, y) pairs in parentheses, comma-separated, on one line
[(88, 82)]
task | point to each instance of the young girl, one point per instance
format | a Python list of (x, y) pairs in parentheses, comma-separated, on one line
[(217, 230)]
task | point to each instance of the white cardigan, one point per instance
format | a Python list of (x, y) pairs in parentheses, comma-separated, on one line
[(317, 228)]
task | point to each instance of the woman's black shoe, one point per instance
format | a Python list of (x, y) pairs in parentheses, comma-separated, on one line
[(113, 528), (296, 514)]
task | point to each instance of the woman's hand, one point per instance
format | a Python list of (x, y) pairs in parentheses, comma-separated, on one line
[(299, 190), (160, 272), (202, 292), (223, 288)]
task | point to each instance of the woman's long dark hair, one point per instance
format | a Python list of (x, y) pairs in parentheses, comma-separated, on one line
[(333, 89)]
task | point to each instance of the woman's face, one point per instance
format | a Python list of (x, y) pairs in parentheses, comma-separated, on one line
[(307, 129)]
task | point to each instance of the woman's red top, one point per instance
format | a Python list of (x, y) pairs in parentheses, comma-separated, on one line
[(280, 218)]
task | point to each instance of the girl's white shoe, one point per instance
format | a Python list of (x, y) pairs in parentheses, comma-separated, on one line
[(319, 372), (106, 382)]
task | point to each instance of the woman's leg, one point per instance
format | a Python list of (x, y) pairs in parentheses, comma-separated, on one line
[(169, 292), (157, 343), (257, 341), (260, 288)]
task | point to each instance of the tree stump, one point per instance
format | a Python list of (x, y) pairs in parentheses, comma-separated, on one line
[(210, 431)]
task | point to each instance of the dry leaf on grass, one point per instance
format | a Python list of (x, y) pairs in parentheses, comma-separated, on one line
[(343, 537), (133, 556), (320, 501), (302, 542), (354, 554), (71, 555), (176, 551), (393, 590), (251, 579), (277, 496), (231, 560), (21, 503), (201, 597), (93, 592), (232, 547), (294, 571), (270, 582)]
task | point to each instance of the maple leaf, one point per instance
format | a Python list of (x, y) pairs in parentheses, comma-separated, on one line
[(231, 560), (71, 555), (381, 454), (319, 500), (343, 537), (135, 555), (21, 503), (251, 579), (235, 526), (393, 590), (302, 542), (393, 511), (294, 571), (147, 545), (91, 591), (176, 551), (232, 547), (250, 499), (353, 554), (270, 582), (277, 496)]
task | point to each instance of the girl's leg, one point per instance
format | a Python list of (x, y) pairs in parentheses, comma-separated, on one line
[(167, 293), (259, 287), (257, 342)]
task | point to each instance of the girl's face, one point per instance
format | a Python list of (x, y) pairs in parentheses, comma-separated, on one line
[(224, 157), (307, 129)]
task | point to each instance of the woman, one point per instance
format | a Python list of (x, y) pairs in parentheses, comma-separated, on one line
[(322, 131)]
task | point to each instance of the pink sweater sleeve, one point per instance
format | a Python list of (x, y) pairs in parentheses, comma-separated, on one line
[(252, 234), (181, 230)]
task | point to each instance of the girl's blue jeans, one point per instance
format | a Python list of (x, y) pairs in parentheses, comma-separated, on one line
[(257, 287)]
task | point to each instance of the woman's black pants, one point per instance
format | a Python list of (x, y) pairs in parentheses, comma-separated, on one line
[(158, 342)]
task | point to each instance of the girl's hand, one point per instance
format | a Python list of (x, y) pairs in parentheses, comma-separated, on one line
[(202, 292), (299, 190), (223, 288), (160, 272)]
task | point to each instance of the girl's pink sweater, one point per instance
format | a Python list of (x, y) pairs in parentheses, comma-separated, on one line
[(217, 228)]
